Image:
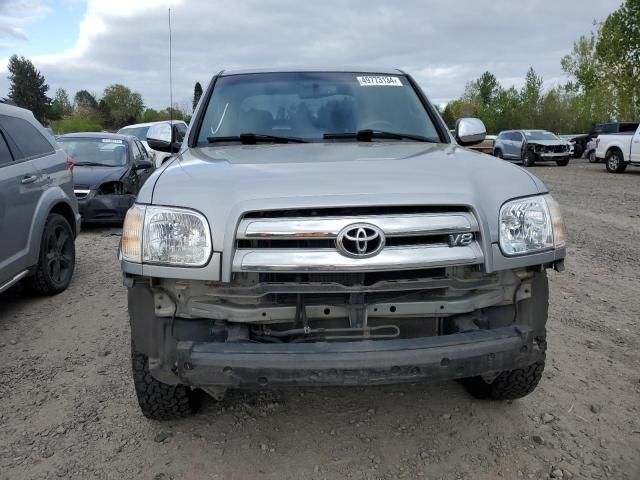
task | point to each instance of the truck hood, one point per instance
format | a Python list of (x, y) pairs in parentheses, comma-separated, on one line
[(95, 176), (224, 182)]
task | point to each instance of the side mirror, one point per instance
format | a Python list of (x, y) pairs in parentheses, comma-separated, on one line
[(470, 131), (162, 137), (143, 165)]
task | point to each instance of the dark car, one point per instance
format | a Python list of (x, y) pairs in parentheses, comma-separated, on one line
[(109, 171), (39, 217)]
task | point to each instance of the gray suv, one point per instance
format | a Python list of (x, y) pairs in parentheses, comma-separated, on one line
[(322, 227), (531, 146), (39, 217)]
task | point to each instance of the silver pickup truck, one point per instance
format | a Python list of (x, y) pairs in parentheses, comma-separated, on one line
[(322, 227)]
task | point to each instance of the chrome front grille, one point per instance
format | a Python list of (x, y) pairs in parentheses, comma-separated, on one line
[(299, 243)]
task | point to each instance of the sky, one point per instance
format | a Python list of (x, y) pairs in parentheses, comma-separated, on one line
[(90, 44)]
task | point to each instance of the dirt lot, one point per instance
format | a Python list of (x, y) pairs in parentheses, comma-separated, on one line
[(67, 406)]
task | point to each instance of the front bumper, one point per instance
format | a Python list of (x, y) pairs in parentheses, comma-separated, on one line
[(481, 352), (553, 155), (104, 208)]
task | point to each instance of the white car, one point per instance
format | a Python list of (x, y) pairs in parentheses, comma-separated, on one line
[(139, 130)]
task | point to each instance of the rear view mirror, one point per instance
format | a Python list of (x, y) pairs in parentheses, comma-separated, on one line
[(162, 137), (470, 131)]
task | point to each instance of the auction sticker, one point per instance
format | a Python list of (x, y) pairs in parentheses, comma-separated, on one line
[(111, 140), (379, 81)]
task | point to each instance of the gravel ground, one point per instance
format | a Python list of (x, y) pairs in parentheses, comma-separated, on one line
[(67, 405)]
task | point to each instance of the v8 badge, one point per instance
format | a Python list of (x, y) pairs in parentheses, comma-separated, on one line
[(460, 239)]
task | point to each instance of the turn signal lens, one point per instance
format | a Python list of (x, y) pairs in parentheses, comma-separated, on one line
[(559, 229), (131, 245)]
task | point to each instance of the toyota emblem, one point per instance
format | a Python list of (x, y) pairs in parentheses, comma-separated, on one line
[(360, 240)]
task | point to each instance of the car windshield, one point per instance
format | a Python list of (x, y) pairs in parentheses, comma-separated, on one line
[(310, 106), (139, 132), (540, 135), (107, 152)]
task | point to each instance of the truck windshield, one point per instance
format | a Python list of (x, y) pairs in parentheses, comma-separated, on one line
[(314, 107)]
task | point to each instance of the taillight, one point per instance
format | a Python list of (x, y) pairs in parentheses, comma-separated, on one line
[(70, 164), (597, 142)]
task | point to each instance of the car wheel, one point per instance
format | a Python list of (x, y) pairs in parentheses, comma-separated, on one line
[(592, 157), (614, 162), (161, 401), (529, 159), (509, 385), (563, 162), (57, 258), (498, 153)]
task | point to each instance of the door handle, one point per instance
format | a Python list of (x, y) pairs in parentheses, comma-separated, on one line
[(28, 179)]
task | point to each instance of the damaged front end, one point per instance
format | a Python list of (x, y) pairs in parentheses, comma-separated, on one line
[(339, 328), (108, 202), (560, 153)]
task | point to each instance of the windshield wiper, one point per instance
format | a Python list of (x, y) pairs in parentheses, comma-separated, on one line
[(253, 138), (92, 164), (367, 135)]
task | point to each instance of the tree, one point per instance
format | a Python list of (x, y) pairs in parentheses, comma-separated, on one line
[(28, 88), (84, 99), (61, 106), (531, 95), (120, 106), (197, 93), (618, 50), (448, 116), (488, 87)]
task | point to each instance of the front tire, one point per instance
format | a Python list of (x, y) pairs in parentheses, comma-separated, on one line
[(509, 385), (614, 162), (161, 401), (563, 163), (57, 257), (498, 153), (529, 159)]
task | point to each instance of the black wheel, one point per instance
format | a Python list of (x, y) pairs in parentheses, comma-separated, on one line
[(592, 157), (509, 385), (577, 150), (529, 159), (614, 162), (160, 401), (563, 162), (57, 258), (498, 153)]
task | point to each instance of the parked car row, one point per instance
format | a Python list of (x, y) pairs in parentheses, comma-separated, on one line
[(617, 144)]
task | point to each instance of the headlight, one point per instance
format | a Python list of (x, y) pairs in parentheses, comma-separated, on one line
[(530, 225), (166, 236)]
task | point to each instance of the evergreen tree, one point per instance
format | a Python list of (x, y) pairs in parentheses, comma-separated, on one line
[(28, 88), (197, 93)]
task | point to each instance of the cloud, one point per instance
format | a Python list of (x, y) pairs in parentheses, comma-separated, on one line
[(15, 14), (442, 45)]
